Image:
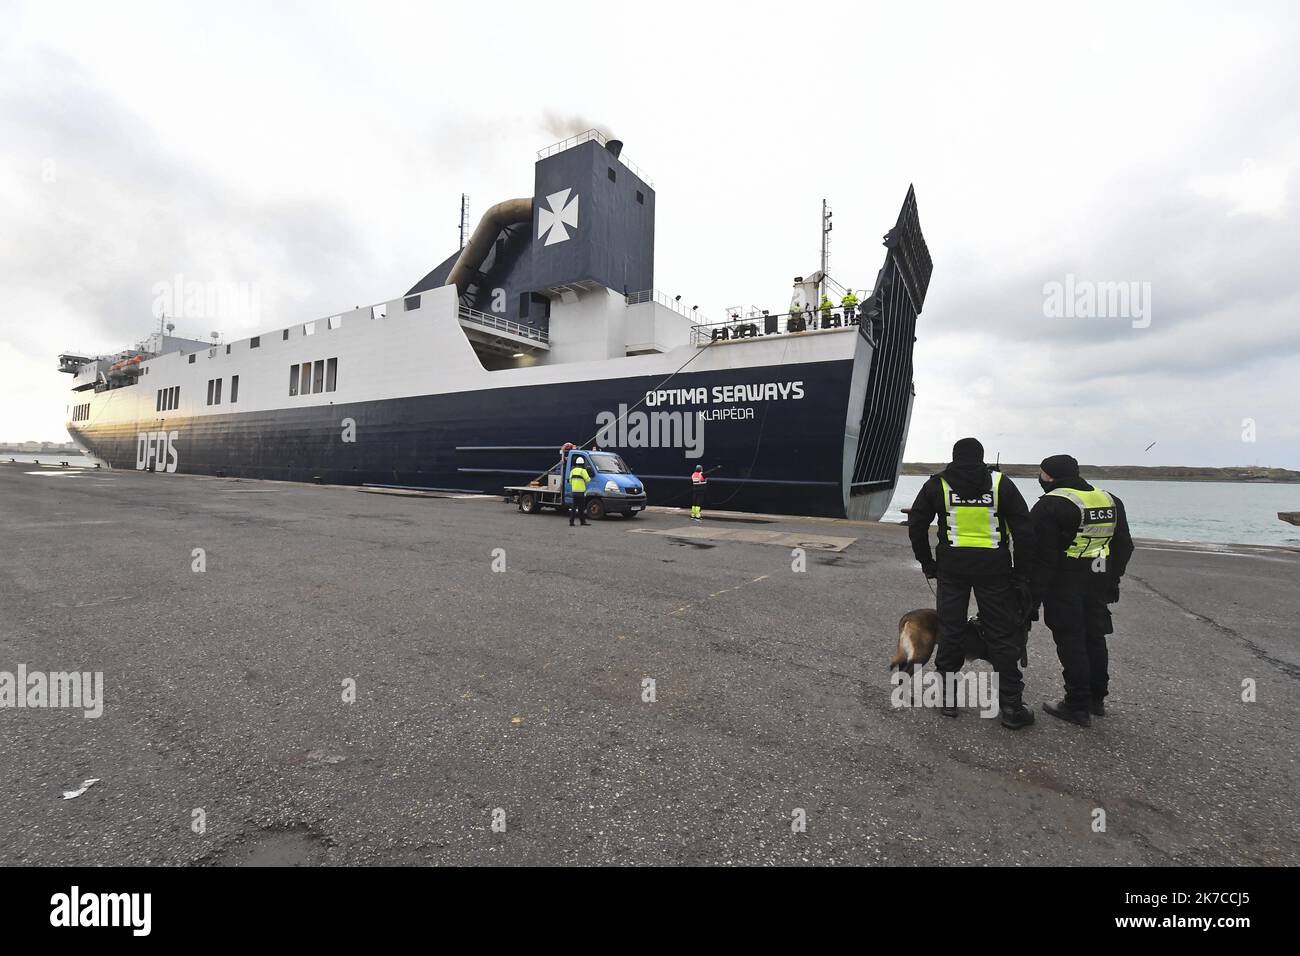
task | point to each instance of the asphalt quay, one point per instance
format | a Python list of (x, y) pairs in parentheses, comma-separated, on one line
[(636, 691)]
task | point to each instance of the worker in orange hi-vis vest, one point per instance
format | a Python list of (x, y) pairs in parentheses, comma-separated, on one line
[(699, 480)]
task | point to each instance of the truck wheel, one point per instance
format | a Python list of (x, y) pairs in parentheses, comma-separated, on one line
[(528, 503), (595, 509)]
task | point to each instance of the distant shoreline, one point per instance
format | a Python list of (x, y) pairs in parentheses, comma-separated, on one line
[(1243, 475), (1239, 474), (17, 449)]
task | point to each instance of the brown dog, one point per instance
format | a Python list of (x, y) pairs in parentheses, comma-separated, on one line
[(918, 632)]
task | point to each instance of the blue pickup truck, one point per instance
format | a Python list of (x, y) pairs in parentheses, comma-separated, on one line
[(613, 489)]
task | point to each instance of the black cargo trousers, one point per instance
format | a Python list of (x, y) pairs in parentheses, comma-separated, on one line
[(999, 611), (1075, 610)]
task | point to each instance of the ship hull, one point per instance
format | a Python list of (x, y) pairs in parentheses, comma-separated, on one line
[(778, 447)]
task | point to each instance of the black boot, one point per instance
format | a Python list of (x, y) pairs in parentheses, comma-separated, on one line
[(949, 706), (1097, 708), (1014, 714), (1061, 710)]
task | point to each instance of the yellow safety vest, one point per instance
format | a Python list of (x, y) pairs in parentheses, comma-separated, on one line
[(826, 304), (849, 301), (1097, 517), (972, 522)]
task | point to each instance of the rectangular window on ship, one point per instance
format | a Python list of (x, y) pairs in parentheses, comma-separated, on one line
[(304, 380), (234, 389), (293, 380), (318, 381), (210, 381), (217, 400), (331, 374)]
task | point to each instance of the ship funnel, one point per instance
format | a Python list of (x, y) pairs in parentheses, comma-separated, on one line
[(615, 146)]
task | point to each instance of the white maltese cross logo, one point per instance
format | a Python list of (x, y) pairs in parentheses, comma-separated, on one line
[(563, 211)]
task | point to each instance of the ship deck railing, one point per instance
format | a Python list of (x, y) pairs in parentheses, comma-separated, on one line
[(524, 334), (674, 303), (742, 328), (587, 137)]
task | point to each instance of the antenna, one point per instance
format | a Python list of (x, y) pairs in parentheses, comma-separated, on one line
[(826, 247), (464, 218)]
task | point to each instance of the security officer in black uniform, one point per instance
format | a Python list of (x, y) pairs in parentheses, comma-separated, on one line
[(980, 514), (1083, 549)]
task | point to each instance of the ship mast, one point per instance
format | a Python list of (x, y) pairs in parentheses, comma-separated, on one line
[(826, 249)]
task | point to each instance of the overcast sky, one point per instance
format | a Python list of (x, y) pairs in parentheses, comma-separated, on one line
[(315, 154)]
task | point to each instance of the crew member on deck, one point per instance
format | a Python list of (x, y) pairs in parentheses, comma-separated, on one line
[(850, 305), (827, 307)]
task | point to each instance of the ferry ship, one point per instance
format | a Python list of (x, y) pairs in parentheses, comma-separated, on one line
[(542, 329)]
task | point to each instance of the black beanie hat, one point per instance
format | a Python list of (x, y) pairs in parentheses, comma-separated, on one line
[(1061, 466), (968, 450)]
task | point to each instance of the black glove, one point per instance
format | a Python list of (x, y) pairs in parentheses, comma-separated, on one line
[(1112, 591), (1024, 596), (930, 570)]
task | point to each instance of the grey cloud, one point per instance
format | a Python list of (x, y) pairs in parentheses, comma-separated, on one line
[(122, 215)]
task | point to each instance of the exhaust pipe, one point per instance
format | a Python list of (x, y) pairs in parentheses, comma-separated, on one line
[(485, 233)]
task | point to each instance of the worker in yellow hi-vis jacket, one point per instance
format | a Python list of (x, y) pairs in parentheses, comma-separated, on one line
[(578, 478), (850, 306)]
